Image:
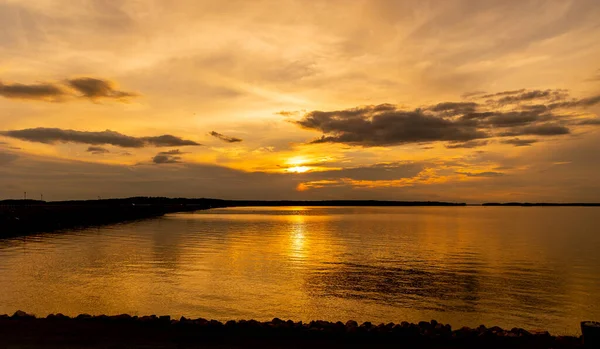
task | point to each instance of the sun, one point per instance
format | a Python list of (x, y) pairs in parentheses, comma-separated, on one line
[(297, 164), (298, 169)]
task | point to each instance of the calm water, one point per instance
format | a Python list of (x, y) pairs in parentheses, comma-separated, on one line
[(506, 266)]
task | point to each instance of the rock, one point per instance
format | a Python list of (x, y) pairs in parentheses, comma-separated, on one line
[(215, 323), (19, 314), (150, 318), (351, 324), (366, 325), (496, 329), (540, 333), (201, 322), (424, 325)]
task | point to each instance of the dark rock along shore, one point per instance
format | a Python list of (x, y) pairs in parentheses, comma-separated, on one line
[(24, 330)]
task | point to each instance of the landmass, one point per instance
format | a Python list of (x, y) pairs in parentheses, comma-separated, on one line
[(22, 217), (124, 331), (576, 204)]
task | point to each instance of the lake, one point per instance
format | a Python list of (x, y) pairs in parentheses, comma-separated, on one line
[(530, 267)]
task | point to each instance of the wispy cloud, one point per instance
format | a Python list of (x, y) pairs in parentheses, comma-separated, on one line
[(517, 142), (84, 87), (57, 135), (224, 138), (97, 150)]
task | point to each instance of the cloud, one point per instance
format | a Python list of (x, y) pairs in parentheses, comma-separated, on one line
[(42, 91), (517, 142), (590, 122), (85, 87), (454, 108), (385, 125), (168, 157), (552, 95), (472, 94), (225, 138), (481, 174), (97, 150), (469, 144), (462, 124), (57, 135), (172, 152), (97, 88), (503, 93), (167, 141), (539, 130)]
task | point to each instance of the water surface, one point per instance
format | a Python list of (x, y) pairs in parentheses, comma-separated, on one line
[(532, 267)]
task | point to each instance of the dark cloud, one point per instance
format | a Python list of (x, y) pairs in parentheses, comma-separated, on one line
[(167, 141), (44, 91), (462, 124), (481, 174), (577, 103), (504, 93), (595, 121), (97, 88), (553, 95), (454, 108), (224, 138), (385, 125), (539, 130), (166, 159), (517, 142), (469, 144), (97, 150), (91, 88), (57, 135)]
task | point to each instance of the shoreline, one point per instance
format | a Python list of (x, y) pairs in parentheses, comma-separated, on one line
[(22, 329), (25, 217)]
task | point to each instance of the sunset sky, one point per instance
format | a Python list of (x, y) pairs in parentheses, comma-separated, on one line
[(454, 100)]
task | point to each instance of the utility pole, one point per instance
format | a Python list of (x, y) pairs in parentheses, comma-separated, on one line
[(41, 197), (25, 195)]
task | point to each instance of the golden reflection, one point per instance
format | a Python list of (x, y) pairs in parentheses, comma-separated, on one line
[(297, 237)]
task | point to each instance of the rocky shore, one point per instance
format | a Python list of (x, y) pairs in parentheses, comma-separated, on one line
[(125, 331)]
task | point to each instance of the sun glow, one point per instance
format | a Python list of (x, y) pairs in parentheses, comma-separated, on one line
[(298, 169)]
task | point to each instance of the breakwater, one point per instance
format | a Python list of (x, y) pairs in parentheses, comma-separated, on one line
[(28, 217), (162, 331), (22, 217)]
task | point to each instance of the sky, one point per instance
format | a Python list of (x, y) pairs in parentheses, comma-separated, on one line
[(455, 100)]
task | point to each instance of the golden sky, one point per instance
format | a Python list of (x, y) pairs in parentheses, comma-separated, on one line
[(458, 100)]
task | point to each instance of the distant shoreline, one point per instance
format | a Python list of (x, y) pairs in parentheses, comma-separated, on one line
[(24, 217)]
